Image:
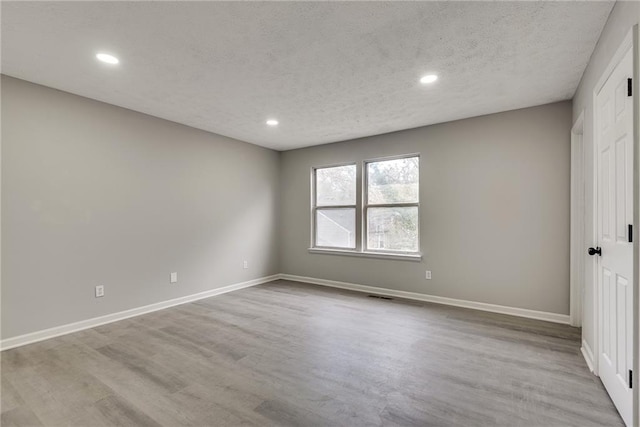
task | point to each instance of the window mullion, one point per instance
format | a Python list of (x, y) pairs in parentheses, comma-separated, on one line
[(359, 201), (365, 212)]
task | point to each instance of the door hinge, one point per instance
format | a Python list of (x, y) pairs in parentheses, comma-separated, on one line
[(630, 232), (629, 87), (630, 378)]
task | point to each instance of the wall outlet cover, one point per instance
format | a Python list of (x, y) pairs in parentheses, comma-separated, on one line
[(99, 291), (173, 277)]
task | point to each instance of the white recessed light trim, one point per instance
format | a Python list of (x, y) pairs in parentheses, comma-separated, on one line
[(272, 122), (109, 59), (429, 78)]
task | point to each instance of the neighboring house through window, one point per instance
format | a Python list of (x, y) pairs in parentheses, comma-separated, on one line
[(335, 207), (391, 205)]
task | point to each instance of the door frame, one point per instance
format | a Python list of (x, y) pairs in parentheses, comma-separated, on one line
[(578, 213), (636, 220), (630, 42)]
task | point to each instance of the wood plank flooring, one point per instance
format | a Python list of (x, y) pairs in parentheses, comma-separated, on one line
[(291, 354)]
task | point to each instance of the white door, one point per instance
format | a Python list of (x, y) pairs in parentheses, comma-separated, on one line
[(614, 139)]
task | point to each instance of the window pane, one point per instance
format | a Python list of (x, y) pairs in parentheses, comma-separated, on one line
[(336, 186), (393, 229), (393, 181), (336, 228)]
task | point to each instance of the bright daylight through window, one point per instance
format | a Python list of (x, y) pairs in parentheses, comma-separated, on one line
[(387, 219), (335, 211), (391, 206)]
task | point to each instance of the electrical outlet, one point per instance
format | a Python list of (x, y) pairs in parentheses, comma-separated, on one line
[(173, 278), (245, 264), (99, 291), (428, 275)]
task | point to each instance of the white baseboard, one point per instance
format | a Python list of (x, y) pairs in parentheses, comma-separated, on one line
[(521, 312), (57, 331), (588, 355), (33, 337)]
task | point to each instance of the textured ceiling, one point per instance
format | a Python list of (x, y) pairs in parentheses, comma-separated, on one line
[(327, 71)]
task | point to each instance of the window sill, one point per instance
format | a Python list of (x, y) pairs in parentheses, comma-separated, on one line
[(378, 255)]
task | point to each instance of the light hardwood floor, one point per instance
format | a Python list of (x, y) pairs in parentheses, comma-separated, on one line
[(286, 353)]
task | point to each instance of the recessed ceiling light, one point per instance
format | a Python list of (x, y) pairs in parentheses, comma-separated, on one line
[(109, 59), (272, 122), (429, 78)]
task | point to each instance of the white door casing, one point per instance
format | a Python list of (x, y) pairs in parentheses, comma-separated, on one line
[(578, 254), (614, 148)]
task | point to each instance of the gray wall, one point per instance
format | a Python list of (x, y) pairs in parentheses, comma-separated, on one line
[(494, 210), (621, 20), (96, 194)]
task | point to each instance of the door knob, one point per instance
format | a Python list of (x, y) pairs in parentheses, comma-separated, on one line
[(597, 250)]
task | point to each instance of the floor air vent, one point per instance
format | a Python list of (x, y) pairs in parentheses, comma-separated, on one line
[(379, 297)]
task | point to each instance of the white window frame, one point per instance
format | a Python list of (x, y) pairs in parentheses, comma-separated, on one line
[(361, 207), (315, 207), (367, 205)]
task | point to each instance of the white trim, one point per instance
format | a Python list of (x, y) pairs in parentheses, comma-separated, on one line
[(379, 255), (595, 290), (623, 48), (636, 220), (587, 353), (57, 331), (578, 212), (514, 311)]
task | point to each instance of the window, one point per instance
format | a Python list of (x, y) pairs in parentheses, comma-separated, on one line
[(380, 217), (335, 207), (391, 207)]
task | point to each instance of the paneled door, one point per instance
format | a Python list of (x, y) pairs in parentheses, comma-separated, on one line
[(614, 142)]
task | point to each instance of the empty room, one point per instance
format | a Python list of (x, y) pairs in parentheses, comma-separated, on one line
[(319, 213)]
